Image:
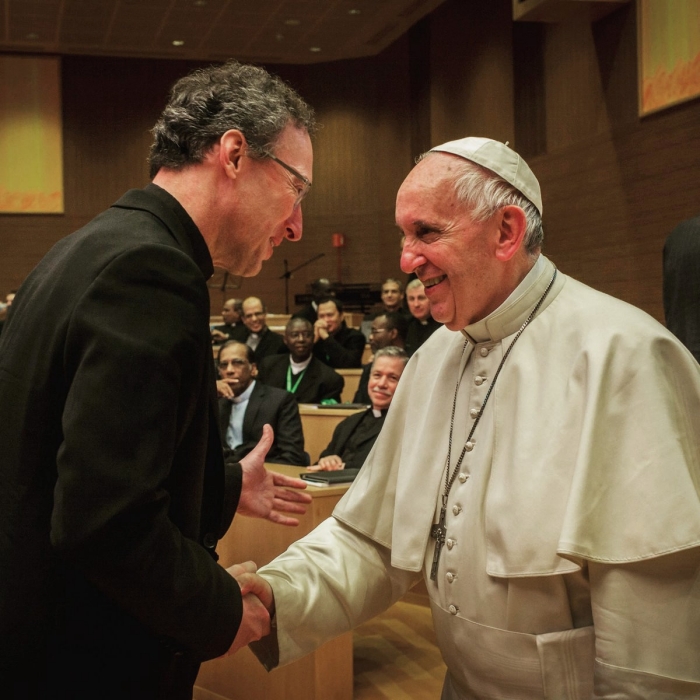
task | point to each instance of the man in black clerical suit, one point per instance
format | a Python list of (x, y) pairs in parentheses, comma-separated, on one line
[(232, 327), (389, 328), (354, 437), (334, 343), (299, 372), (259, 338), (681, 282), (421, 325), (113, 487), (253, 405)]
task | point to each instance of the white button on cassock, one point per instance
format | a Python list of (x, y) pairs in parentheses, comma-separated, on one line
[(479, 380), (463, 477), (474, 412), (456, 510), (453, 609), (484, 352), (469, 446), (450, 577), (450, 543)]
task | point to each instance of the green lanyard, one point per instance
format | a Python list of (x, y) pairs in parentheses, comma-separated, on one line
[(293, 387)]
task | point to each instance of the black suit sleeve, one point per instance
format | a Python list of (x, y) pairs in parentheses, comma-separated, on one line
[(289, 435), (333, 388), (132, 373), (342, 356)]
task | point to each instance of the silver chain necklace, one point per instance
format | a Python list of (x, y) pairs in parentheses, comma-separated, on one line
[(439, 531)]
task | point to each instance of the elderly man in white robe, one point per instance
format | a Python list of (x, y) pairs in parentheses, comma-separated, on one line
[(539, 468)]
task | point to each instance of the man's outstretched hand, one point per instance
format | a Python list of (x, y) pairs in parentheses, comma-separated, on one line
[(266, 494)]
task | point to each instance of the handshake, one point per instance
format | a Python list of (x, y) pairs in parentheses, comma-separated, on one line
[(258, 605)]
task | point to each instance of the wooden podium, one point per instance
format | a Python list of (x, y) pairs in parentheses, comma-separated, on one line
[(324, 675)]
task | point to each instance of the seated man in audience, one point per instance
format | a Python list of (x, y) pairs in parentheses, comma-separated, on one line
[(309, 379), (421, 325), (231, 328), (6, 307), (320, 289), (354, 437), (334, 343), (387, 329), (259, 338), (253, 405)]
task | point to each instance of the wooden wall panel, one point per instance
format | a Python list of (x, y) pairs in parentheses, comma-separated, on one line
[(472, 70)]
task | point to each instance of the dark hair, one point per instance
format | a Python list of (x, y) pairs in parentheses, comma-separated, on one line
[(335, 300), (250, 356), (295, 319), (208, 102), (395, 320)]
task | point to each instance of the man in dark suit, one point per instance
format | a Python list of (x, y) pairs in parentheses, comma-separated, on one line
[(682, 284), (232, 327), (334, 343), (299, 372), (253, 406), (387, 329), (261, 340), (354, 437), (421, 325), (113, 488)]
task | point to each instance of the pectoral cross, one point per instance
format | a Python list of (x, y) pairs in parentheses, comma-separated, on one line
[(438, 532)]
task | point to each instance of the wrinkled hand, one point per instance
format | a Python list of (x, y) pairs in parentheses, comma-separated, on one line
[(331, 463), (218, 335), (223, 390), (266, 494)]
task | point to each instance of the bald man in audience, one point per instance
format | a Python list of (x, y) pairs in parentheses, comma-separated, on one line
[(232, 328), (421, 325), (387, 329), (259, 338), (334, 343), (252, 406), (354, 437), (299, 372)]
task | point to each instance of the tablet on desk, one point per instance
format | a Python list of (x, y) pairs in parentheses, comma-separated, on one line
[(341, 476)]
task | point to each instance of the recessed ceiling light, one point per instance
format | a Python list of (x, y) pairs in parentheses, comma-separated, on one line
[(279, 37), (292, 22), (199, 3), (315, 49), (32, 35), (354, 12), (178, 42)]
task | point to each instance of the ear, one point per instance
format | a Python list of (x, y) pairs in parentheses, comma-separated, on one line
[(253, 370), (393, 333), (232, 148), (511, 224)]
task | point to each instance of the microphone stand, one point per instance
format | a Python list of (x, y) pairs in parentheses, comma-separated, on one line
[(288, 273)]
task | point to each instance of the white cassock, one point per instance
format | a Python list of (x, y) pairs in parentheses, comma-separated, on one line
[(571, 568)]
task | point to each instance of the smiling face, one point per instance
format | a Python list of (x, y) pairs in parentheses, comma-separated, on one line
[(418, 303), (383, 380), (254, 315), (260, 212), (299, 338), (450, 253)]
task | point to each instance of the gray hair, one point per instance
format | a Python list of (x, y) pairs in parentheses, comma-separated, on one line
[(484, 193), (413, 284), (391, 351), (208, 102)]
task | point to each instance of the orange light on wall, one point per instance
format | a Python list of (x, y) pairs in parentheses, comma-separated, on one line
[(338, 241)]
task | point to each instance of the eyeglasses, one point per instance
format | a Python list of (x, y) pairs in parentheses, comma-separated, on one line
[(223, 364), (305, 180)]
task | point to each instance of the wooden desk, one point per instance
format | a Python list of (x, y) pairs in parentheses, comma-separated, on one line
[(352, 381), (319, 423), (325, 674)]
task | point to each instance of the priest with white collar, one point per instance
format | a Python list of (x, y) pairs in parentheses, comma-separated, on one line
[(539, 468)]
